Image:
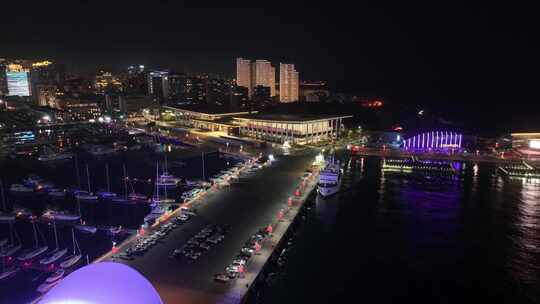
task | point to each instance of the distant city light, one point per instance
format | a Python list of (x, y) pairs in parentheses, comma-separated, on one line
[(534, 144)]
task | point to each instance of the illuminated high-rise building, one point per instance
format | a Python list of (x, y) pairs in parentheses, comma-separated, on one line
[(251, 74), (244, 73), (288, 83), (265, 75)]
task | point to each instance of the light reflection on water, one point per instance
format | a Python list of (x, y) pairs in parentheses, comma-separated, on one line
[(422, 238)]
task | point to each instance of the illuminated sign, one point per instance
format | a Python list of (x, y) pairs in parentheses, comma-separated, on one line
[(534, 144), (18, 84), (41, 63)]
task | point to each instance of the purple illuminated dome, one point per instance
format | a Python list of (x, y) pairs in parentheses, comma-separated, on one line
[(103, 283)]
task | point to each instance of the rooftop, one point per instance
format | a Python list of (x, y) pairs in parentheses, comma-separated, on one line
[(209, 109), (292, 117)]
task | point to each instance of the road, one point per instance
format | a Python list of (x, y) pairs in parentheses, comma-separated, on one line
[(251, 204)]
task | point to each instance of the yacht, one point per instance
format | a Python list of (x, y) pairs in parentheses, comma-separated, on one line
[(86, 228), (19, 188), (59, 216), (32, 253), (10, 250), (75, 257), (8, 273), (167, 180), (6, 218), (53, 257), (36, 251), (86, 196), (97, 150), (106, 194), (45, 287), (56, 193), (49, 155), (55, 276), (330, 179)]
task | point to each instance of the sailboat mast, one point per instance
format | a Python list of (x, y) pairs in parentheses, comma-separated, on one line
[(35, 233), (55, 234), (78, 176), (88, 178), (3, 197), (107, 177), (125, 182), (73, 238)]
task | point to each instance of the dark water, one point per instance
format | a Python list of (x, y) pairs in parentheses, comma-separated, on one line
[(139, 164), (389, 238)]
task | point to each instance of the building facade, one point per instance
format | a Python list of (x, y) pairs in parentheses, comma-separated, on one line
[(250, 74), (288, 83), (244, 74)]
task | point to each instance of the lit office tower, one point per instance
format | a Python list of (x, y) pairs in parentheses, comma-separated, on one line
[(288, 83), (243, 74), (158, 84), (265, 75)]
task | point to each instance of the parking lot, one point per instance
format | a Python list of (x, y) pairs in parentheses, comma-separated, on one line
[(243, 208)]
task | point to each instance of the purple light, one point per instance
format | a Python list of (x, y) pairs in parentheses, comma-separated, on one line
[(434, 140), (103, 283)]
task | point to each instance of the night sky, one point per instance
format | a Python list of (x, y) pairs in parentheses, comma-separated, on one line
[(454, 54)]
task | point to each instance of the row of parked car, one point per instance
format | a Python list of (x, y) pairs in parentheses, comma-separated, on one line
[(147, 242), (202, 241), (240, 262)]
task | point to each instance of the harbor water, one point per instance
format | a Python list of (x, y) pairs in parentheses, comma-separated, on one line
[(413, 237)]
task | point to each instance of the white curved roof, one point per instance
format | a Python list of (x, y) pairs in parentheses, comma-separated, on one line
[(103, 283)]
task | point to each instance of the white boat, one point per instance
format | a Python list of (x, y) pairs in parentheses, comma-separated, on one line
[(106, 194), (32, 253), (114, 230), (10, 250), (167, 180), (86, 228), (54, 156), (86, 196), (8, 273), (55, 276), (54, 257), (56, 193), (97, 150), (329, 179), (137, 197), (36, 251), (6, 218), (19, 188), (32, 181), (59, 216), (123, 201), (43, 288), (73, 259)]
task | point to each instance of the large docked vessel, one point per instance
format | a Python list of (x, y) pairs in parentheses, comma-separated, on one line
[(330, 178)]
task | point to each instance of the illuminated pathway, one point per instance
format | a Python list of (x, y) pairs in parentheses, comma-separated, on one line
[(247, 206)]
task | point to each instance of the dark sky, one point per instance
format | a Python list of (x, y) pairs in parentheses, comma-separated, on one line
[(432, 53)]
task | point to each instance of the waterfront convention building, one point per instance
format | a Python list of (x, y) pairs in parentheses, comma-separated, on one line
[(279, 128)]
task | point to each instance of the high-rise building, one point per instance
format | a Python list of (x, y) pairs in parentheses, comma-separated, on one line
[(244, 73), (250, 74), (265, 75), (288, 83), (158, 84)]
